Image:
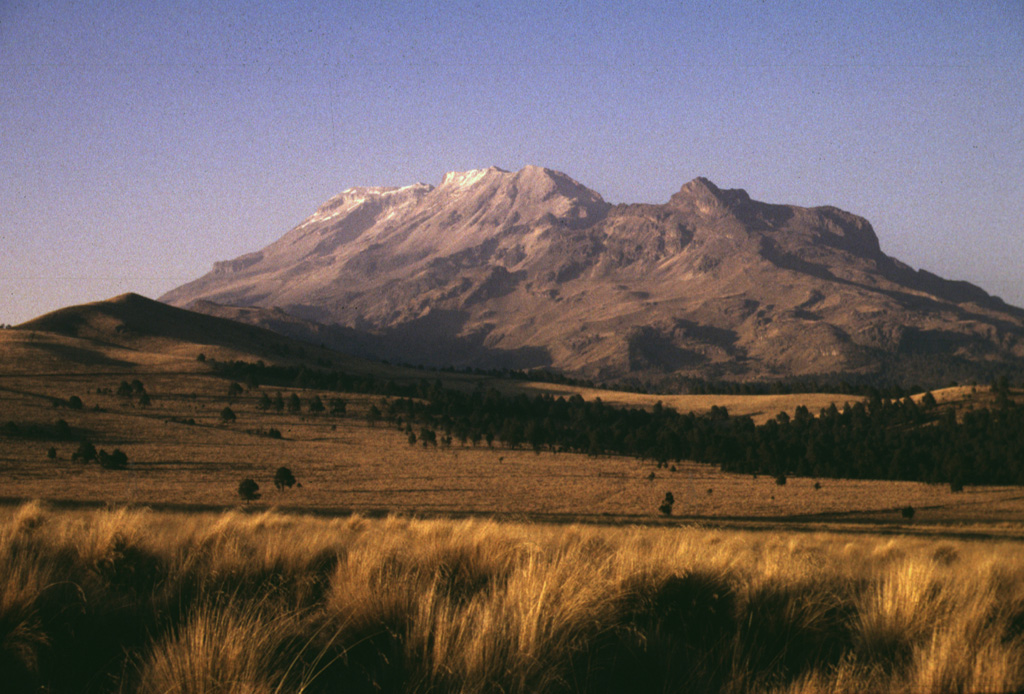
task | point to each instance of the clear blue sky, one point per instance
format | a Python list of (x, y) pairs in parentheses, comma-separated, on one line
[(140, 142)]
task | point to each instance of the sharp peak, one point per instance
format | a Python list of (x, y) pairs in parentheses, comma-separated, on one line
[(527, 170), (701, 183), (701, 187), (528, 177)]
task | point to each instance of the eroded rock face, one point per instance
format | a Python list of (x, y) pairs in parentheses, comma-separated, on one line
[(525, 269)]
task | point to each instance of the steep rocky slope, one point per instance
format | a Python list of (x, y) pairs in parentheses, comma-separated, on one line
[(530, 268)]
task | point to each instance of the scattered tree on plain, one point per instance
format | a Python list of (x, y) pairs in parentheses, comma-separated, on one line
[(667, 503), (284, 478), (248, 490), (85, 453)]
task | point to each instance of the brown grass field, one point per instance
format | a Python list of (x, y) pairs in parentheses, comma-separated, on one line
[(346, 465)]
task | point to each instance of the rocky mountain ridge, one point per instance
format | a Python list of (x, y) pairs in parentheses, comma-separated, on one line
[(532, 269)]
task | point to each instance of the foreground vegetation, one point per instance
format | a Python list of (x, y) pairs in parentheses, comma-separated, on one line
[(137, 601)]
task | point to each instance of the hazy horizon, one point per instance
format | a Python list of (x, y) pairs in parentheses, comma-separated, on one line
[(143, 143)]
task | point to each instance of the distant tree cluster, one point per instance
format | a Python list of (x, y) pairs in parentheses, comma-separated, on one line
[(294, 405), (59, 430), (134, 390), (249, 489), (881, 439), (87, 453), (885, 438)]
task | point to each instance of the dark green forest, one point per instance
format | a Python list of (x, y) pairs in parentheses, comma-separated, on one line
[(883, 438)]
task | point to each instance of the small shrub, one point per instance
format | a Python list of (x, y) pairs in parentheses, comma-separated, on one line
[(227, 415), (780, 480), (373, 415), (907, 512), (85, 452), (113, 461), (75, 402), (667, 503), (52, 453)]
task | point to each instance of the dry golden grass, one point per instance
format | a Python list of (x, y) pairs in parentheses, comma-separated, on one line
[(760, 408), (137, 601)]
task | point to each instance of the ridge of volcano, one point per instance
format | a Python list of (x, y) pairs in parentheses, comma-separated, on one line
[(530, 269)]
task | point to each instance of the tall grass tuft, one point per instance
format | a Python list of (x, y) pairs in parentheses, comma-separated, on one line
[(127, 600)]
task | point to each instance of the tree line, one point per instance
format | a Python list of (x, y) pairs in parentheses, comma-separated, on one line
[(883, 438)]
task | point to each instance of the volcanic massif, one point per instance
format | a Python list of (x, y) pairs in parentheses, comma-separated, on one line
[(530, 269)]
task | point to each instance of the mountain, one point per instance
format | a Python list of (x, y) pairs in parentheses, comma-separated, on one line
[(532, 269)]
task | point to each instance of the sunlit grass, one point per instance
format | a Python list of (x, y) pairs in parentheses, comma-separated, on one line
[(137, 601)]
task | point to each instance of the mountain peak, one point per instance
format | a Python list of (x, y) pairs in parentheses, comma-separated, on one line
[(466, 179), (702, 184), (704, 195)]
